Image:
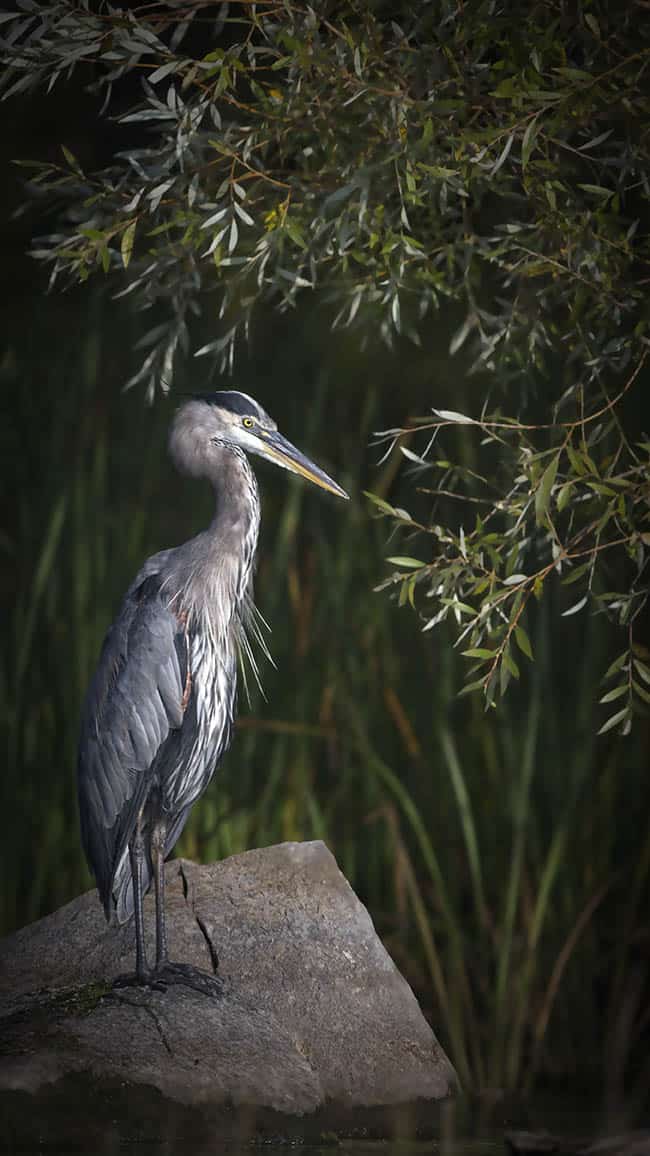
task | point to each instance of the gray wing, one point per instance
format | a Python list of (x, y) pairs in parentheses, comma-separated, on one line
[(134, 703)]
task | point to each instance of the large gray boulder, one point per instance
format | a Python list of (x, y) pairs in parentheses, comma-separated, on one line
[(316, 1030)]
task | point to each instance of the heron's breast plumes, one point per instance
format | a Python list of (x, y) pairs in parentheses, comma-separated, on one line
[(209, 585)]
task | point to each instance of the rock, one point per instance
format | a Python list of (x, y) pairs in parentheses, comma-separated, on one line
[(530, 1143), (628, 1144), (534, 1143), (316, 1030)]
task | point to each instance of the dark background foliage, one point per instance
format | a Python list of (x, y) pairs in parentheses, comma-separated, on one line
[(504, 855)]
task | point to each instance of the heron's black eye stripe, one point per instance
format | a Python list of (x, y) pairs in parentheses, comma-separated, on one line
[(248, 422)]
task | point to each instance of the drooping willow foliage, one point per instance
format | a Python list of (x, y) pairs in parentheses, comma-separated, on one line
[(398, 158)]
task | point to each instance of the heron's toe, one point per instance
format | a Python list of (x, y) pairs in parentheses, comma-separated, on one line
[(133, 979), (167, 974)]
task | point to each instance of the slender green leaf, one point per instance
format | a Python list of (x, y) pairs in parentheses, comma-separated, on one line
[(543, 492), (523, 641), (614, 721), (128, 239)]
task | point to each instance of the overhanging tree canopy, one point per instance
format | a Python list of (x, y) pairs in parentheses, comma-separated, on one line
[(394, 158)]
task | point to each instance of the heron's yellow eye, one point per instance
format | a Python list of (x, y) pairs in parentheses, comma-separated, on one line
[(248, 422)]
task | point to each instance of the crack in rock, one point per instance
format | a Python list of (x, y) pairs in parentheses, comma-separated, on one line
[(188, 888), (212, 951), (184, 880), (150, 1012)]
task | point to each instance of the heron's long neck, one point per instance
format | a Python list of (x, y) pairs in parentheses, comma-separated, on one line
[(217, 566), (235, 526)]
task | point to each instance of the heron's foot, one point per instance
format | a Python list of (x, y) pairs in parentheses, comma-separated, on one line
[(166, 974), (146, 980)]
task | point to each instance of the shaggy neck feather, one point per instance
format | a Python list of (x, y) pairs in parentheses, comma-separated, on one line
[(213, 572)]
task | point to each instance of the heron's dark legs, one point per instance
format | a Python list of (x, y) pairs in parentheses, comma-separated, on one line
[(158, 837), (136, 856), (136, 859), (166, 972)]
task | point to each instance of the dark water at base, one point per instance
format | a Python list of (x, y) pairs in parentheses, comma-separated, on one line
[(544, 1126)]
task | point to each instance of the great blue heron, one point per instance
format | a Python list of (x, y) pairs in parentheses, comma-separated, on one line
[(159, 712)]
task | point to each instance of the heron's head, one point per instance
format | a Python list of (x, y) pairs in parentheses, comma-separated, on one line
[(232, 420)]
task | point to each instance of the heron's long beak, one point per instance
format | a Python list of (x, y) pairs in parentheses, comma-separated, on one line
[(278, 449)]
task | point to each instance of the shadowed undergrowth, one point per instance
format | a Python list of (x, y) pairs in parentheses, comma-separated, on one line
[(504, 856)]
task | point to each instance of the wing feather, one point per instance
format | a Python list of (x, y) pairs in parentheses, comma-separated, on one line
[(134, 702)]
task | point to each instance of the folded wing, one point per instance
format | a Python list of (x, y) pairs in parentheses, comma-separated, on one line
[(134, 705)]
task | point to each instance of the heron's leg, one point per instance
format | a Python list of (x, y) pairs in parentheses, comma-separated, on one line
[(166, 972), (136, 857), (158, 838)]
